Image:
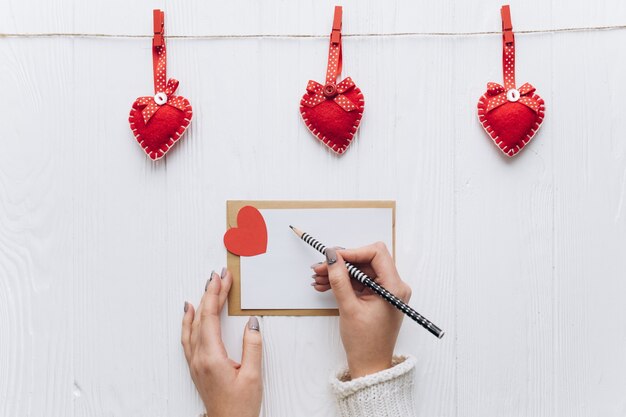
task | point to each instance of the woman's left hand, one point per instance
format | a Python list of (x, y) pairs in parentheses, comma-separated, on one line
[(227, 388)]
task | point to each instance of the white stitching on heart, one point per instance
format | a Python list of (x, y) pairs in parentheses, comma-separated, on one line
[(160, 153), (333, 147), (482, 103)]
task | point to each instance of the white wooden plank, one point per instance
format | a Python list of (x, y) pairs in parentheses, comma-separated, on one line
[(519, 261), (121, 340), (36, 17), (36, 228), (504, 243), (589, 342)]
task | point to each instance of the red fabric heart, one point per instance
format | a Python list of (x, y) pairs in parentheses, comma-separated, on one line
[(159, 122), (330, 122), (332, 112), (163, 130), (249, 238), (511, 125), (511, 116)]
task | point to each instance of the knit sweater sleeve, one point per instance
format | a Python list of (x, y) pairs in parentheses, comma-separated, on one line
[(383, 394)]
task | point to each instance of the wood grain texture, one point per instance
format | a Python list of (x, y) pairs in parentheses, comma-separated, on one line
[(520, 261)]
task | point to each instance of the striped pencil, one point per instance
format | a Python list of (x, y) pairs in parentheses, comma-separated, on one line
[(355, 273)]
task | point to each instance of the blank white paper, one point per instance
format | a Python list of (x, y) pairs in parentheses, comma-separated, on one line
[(281, 277)]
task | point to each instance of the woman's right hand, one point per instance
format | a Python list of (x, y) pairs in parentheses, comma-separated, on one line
[(369, 325)]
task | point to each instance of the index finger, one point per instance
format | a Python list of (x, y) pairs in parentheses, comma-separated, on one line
[(209, 327), (376, 254)]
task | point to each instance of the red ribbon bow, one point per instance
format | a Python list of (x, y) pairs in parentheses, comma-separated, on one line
[(319, 93), (152, 106), (499, 96)]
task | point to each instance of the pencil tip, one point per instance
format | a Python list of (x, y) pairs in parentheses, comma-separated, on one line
[(291, 227)]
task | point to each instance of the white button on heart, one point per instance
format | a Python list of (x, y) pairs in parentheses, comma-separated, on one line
[(512, 95), (160, 98)]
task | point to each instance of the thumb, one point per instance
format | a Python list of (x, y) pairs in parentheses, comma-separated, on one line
[(339, 279), (252, 355)]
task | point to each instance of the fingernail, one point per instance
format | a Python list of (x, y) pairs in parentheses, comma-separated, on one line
[(315, 265), (208, 281), (331, 256), (223, 274), (253, 324), (313, 284), (314, 276), (186, 307)]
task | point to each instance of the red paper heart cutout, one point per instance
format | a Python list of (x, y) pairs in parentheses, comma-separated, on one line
[(511, 125), (249, 238), (163, 130), (330, 123)]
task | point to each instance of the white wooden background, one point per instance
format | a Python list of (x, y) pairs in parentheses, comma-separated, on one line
[(522, 261)]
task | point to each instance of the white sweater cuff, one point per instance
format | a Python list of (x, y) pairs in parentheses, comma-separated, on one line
[(383, 394)]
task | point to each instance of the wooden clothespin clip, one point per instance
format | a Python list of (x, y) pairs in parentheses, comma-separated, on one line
[(159, 24), (335, 35), (507, 26)]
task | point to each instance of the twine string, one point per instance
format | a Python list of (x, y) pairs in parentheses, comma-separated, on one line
[(305, 36)]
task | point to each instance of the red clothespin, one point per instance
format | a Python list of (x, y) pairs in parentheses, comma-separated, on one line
[(507, 26), (159, 24), (335, 35)]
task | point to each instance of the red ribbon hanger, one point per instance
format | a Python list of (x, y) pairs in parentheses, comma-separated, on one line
[(163, 91), (498, 94), (158, 121), (334, 50), (332, 90)]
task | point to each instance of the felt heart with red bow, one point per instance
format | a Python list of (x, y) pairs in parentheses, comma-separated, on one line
[(333, 117), (332, 112), (159, 121), (510, 116), (249, 238)]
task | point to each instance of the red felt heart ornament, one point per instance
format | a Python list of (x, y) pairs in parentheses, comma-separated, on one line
[(159, 121), (165, 127), (332, 112), (511, 116), (249, 238)]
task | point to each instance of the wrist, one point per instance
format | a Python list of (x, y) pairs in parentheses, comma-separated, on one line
[(359, 369)]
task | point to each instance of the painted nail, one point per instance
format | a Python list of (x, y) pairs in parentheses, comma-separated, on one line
[(253, 324), (208, 281), (186, 307), (223, 274), (316, 265), (331, 256)]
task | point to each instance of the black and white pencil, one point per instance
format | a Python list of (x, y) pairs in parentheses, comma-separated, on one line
[(355, 273)]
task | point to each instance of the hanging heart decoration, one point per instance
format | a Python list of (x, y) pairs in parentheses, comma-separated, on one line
[(511, 116), (333, 111), (159, 121)]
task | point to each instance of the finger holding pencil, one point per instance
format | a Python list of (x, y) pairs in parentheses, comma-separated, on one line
[(380, 263)]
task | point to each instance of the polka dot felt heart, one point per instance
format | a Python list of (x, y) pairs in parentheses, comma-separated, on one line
[(159, 121), (332, 112), (511, 116), (164, 128)]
